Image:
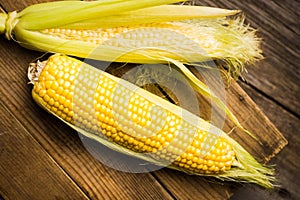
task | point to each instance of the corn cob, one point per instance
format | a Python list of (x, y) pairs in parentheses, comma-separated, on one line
[(136, 122), (139, 32)]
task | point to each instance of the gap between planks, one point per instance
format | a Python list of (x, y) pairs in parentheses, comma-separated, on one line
[(271, 98)]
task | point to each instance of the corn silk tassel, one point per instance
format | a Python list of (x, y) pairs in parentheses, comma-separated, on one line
[(138, 32), (133, 121)]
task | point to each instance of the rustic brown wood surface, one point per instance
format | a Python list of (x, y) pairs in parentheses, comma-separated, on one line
[(41, 158)]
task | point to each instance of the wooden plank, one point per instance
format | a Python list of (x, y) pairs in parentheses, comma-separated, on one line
[(184, 186), (287, 161), (270, 140), (26, 170), (278, 25)]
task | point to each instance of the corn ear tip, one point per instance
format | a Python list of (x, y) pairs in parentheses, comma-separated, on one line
[(252, 170), (34, 71)]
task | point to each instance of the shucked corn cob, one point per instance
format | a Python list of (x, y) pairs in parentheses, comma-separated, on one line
[(131, 120), (138, 31)]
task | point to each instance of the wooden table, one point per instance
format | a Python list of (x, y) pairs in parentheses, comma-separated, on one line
[(41, 158)]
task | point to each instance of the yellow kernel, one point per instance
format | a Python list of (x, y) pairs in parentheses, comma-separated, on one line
[(53, 109), (108, 134), (157, 145), (195, 159), (186, 166), (200, 161), (46, 98), (48, 107), (60, 75), (59, 113), (148, 141), (153, 143), (66, 75), (73, 72), (56, 104), (141, 144), (199, 166), (63, 115), (62, 100), (51, 102), (210, 163), (67, 84), (68, 103), (51, 92), (70, 114), (59, 90), (69, 119), (161, 138), (213, 157), (130, 140), (42, 93), (114, 130), (189, 156), (170, 136), (189, 162), (117, 139), (66, 110), (194, 165), (48, 84), (212, 168)]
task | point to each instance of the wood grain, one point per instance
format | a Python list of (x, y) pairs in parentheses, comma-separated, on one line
[(287, 161), (26, 170), (278, 24), (100, 182)]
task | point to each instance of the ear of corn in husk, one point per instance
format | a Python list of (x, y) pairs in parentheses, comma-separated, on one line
[(138, 32), (133, 121), (79, 28)]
